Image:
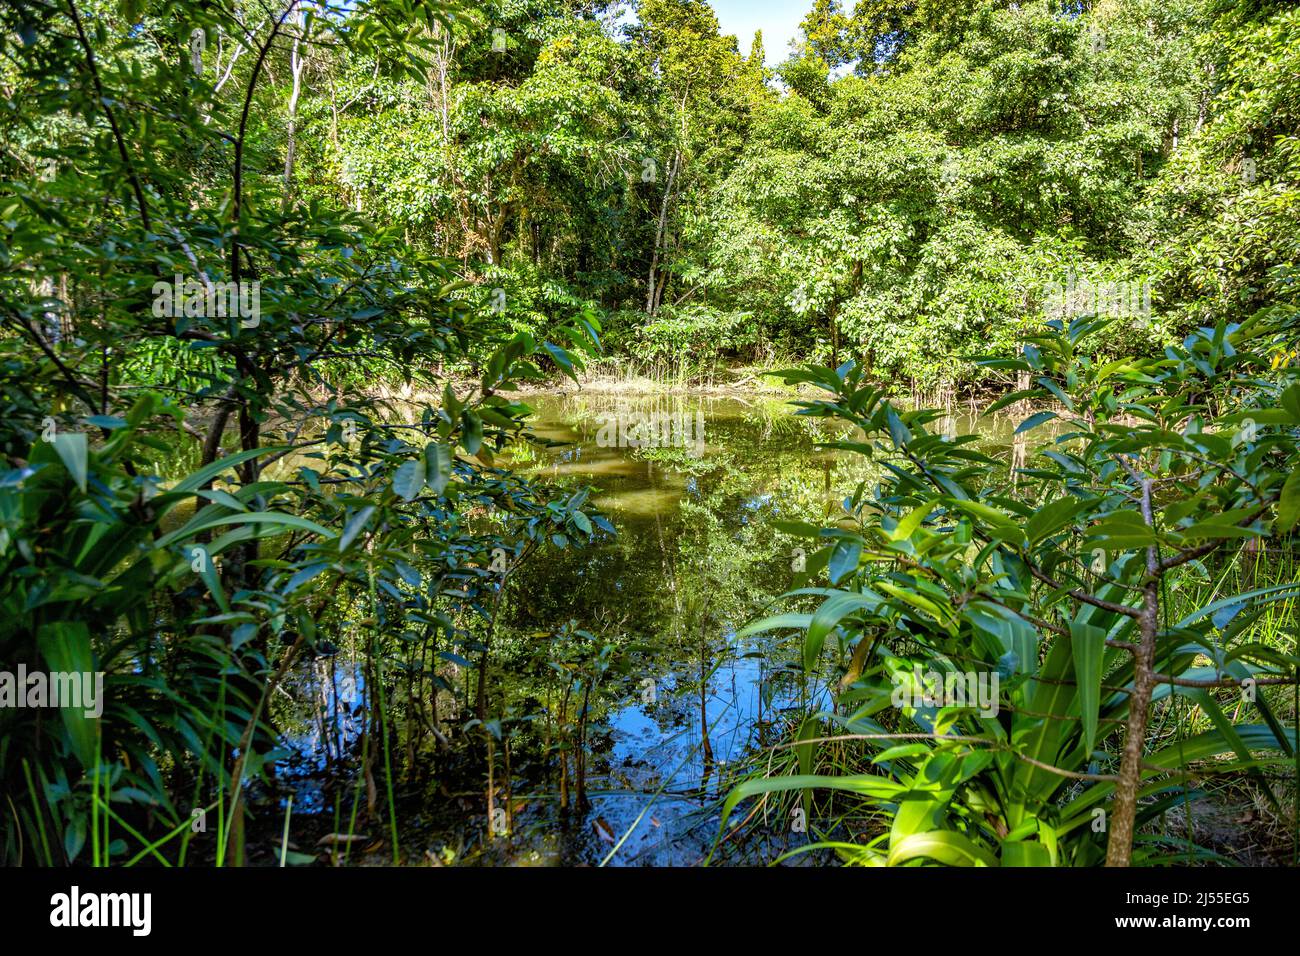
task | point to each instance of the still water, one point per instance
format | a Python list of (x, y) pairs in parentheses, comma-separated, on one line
[(677, 708)]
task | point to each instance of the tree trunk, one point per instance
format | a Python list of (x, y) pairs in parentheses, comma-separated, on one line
[(652, 287), (298, 65), (1119, 848)]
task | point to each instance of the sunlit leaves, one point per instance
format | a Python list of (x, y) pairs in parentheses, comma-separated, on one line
[(437, 462), (1041, 575), (408, 480)]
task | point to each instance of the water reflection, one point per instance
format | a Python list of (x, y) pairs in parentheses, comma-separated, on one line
[(653, 739)]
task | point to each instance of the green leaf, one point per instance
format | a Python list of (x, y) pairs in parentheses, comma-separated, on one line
[(1288, 506), (1213, 528), (223, 498), (74, 837), (437, 462), (844, 558), (869, 784), (1054, 516), (1220, 720), (1121, 531), (303, 575), (1277, 592), (1011, 399), (922, 604), (201, 477), (897, 430), (913, 521), (775, 623), (942, 846), (1000, 523), (1025, 853), (471, 432), (208, 574), (1213, 742), (1291, 402), (408, 480), (1012, 633), (561, 359), (66, 647), (825, 618), (260, 517), (1055, 389), (354, 526), (1088, 646), (799, 529), (73, 451), (1033, 421)]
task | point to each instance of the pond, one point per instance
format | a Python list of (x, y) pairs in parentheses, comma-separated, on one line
[(678, 707)]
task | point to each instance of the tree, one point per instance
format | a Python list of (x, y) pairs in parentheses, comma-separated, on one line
[(1063, 579)]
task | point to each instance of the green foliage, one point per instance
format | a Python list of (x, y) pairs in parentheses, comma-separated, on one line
[(131, 542), (1056, 576), (431, 207), (911, 212)]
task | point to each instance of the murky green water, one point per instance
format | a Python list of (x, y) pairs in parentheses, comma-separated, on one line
[(677, 704)]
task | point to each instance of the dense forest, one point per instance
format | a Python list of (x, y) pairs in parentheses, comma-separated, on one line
[(917, 209), (444, 433)]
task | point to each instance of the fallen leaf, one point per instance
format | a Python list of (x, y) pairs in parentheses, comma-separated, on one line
[(334, 839)]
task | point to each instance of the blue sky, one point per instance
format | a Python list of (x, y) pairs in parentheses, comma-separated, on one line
[(778, 19)]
